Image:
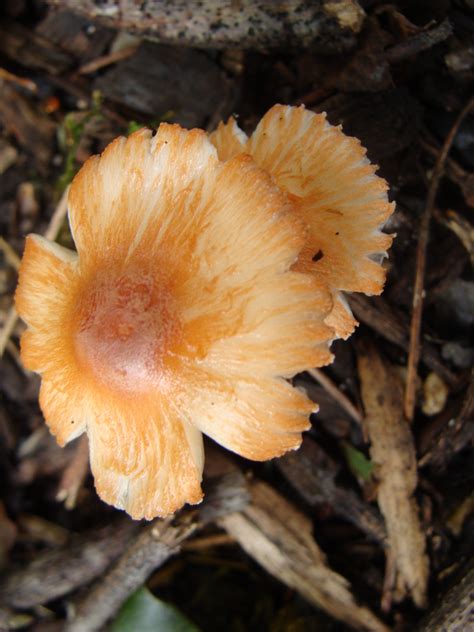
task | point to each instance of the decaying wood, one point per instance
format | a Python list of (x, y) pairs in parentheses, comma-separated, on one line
[(156, 543), (53, 574), (393, 326), (312, 473), (279, 538), (455, 609), (329, 24), (393, 453)]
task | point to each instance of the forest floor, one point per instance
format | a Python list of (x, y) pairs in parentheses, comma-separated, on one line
[(370, 524)]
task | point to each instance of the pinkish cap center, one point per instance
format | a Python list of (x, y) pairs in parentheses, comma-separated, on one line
[(125, 327)]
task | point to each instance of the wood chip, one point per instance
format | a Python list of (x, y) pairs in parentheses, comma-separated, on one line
[(280, 538), (393, 453)]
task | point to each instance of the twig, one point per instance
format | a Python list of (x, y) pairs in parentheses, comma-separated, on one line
[(336, 393), (10, 255), (74, 475), (51, 233), (417, 305), (19, 81), (419, 42), (210, 541), (7, 329), (107, 60), (57, 218)]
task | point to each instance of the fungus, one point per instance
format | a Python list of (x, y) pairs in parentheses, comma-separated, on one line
[(178, 315), (334, 189)]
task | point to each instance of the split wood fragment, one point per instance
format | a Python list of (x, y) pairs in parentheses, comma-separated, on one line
[(279, 538), (393, 453)]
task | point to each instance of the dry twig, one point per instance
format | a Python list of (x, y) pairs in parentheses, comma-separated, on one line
[(52, 574), (417, 305), (107, 60), (51, 233), (393, 453), (336, 394)]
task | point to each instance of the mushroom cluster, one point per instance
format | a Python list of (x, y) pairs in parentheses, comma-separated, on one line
[(208, 271)]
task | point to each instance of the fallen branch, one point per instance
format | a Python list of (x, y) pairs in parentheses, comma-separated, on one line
[(279, 538), (53, 574), (157, 542), (247, 24)]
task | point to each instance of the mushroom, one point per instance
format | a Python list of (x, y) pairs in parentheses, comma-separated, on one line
[(334, 189), (178, 315)]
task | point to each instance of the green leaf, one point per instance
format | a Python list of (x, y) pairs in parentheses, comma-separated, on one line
[(357, 462), (143, 612)]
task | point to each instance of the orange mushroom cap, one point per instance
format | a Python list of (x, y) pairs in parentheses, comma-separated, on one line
[(179, 314), (334, 189)]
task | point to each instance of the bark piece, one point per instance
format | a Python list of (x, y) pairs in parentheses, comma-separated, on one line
[(55, 573), (279, 538), (326, 24), (74, 34), (393, 453), (160, 80)]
